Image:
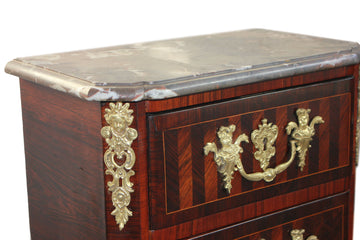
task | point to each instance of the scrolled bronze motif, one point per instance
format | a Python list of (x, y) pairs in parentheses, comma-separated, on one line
[(119, 137), (228, 158), (298, 234), (303, 133), (263, 140)]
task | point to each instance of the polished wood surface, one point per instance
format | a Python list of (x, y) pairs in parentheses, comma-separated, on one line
[(324, 218), (178, 191), (189, 180), (355, 100), (64, 165), (249, 210)]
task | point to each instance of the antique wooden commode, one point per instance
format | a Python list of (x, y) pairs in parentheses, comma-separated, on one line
[(241, 135)]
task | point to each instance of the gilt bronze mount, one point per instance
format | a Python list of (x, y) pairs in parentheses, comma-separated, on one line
[(298, 234), (119, 137), (228, 158)]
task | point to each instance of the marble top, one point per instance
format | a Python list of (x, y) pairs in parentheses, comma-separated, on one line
[(170, 68)]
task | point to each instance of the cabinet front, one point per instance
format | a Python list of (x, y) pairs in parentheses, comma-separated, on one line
[(235, 160)]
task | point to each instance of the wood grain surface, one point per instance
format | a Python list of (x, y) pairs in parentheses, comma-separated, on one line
[(64, 165), (324, 218), (178, 193), (172, 164)]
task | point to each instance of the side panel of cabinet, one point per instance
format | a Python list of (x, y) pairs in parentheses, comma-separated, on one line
[(64, 165)]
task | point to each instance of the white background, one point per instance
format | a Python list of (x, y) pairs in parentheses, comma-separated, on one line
[(39, 27)]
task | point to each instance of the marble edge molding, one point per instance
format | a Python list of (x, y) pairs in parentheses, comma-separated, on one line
[(169, 88), (47, 78)]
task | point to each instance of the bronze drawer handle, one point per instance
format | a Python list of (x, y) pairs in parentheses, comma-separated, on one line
[(298, 234), (228, 158), (119, 137)]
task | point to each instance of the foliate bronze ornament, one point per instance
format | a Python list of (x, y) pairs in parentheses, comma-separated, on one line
[(228, 157), (263, 140), (298, 234), (119, 158), (303, 133)]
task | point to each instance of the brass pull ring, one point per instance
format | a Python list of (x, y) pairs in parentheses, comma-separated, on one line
[(269, 173)]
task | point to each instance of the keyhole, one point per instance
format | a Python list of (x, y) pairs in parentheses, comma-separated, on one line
[(265, 143)]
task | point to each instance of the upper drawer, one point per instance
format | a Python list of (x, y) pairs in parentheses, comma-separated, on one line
[(189, 180)]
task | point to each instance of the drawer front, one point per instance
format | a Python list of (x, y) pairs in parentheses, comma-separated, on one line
[(325, 219), (185, 182)]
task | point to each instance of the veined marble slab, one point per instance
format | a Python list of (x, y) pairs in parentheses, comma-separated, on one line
[(170, 68)]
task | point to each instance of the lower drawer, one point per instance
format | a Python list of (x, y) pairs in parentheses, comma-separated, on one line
[(325, 219)]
